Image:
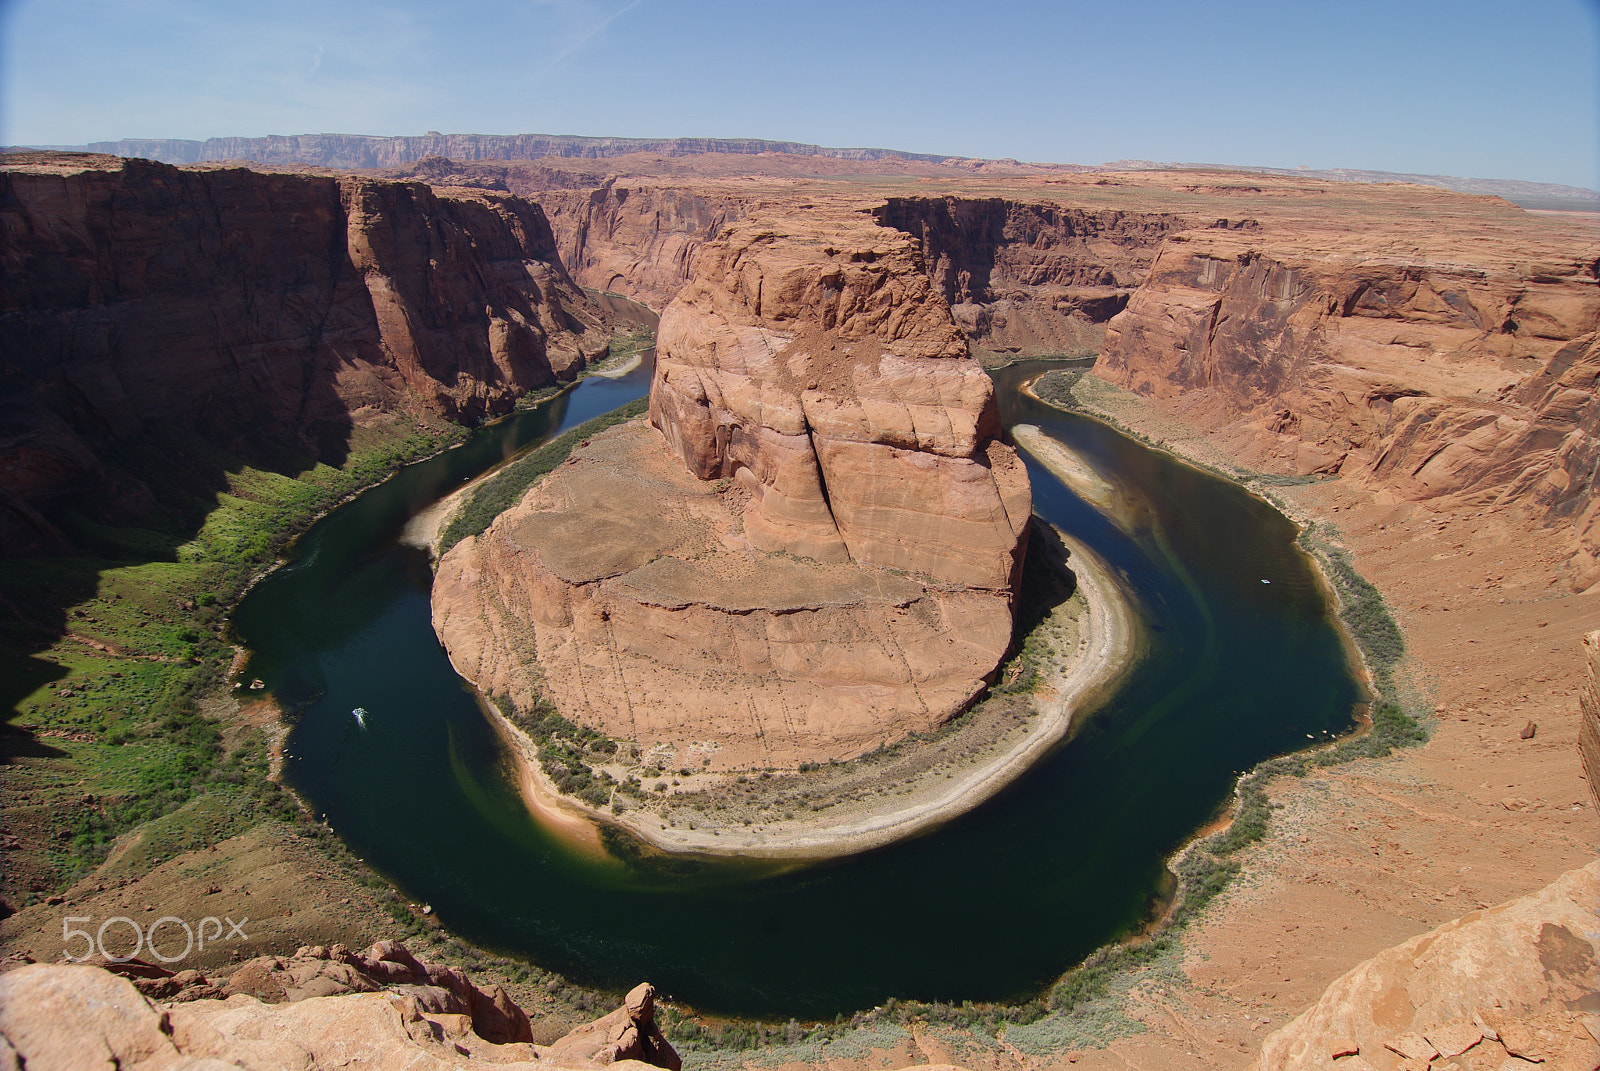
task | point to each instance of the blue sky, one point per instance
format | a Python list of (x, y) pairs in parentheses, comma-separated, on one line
[(1463, 87)]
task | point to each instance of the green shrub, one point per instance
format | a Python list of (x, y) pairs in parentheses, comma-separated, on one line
[(565, 750), (1364, 612), (1391, 728)]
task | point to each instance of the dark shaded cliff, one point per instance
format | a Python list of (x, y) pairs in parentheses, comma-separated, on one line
[(268, 312), (635, 239), (1030, 278)]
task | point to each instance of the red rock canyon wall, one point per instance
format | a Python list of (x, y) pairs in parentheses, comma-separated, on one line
[(290, 305)]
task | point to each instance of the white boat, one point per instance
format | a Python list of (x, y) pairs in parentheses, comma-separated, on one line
[(360, 714)]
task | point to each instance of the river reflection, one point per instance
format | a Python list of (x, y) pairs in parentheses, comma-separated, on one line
[(992, 906)]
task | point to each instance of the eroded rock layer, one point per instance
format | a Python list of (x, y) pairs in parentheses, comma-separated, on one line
[(1031, 277), (1510, 986), (818, 367), (624, 589), (812, 556), (1454, 363), (287, 308), (1589, 715)]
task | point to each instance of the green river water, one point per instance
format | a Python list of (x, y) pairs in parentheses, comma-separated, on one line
[(994, 905)]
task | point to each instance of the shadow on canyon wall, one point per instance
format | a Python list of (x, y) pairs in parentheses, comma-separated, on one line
[(192, 360)]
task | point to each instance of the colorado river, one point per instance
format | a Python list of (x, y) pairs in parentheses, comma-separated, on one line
[(991, 906)]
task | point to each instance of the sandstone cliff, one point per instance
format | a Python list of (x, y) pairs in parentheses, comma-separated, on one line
[(815, 553), (1454, 362), (817, 366), (275, 308), (1512, 986), (632, 237), (1589, 715), (638, 242), (1031, 278)]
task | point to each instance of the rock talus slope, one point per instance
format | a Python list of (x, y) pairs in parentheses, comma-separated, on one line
[(815, 553)]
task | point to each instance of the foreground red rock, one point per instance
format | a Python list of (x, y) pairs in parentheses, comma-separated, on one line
[(1513, 985), (812, 557), (629, 1033), (60, 1017), (82, 1017)]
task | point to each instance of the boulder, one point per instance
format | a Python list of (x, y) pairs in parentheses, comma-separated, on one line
[(629, 1033), (1516, 980)]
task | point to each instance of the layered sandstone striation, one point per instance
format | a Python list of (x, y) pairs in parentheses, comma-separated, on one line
[(1589, 714), (631, 235), (637, 241), (321, 1007), (1452, 361), (1511, 986), (282, 309), (818, 368), (1034, 277), (811, 550)]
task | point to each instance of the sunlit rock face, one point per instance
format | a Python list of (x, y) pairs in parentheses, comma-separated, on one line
[(1440, 348), (810, 549), (819, 368)]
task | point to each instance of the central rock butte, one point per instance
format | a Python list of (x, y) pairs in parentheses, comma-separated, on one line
[(809, 552)]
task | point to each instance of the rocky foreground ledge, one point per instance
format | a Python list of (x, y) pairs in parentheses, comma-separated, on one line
[(321, 1007), (1513, 986)]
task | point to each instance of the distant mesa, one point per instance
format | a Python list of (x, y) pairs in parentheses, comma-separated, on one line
[(368, 151), (360, 151)]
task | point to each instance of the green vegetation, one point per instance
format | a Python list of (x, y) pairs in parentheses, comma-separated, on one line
[(1362, 609), (1047, 582), (1391, 728), (566, 750), (626, 344), (108, 659), (505, 488), (1056, 387)]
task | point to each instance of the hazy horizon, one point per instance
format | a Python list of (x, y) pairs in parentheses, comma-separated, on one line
[(1428, 88)]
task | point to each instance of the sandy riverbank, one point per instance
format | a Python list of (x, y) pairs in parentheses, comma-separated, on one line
[(1362, 856), (853, 807), (423, 529), (1079, 476)]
